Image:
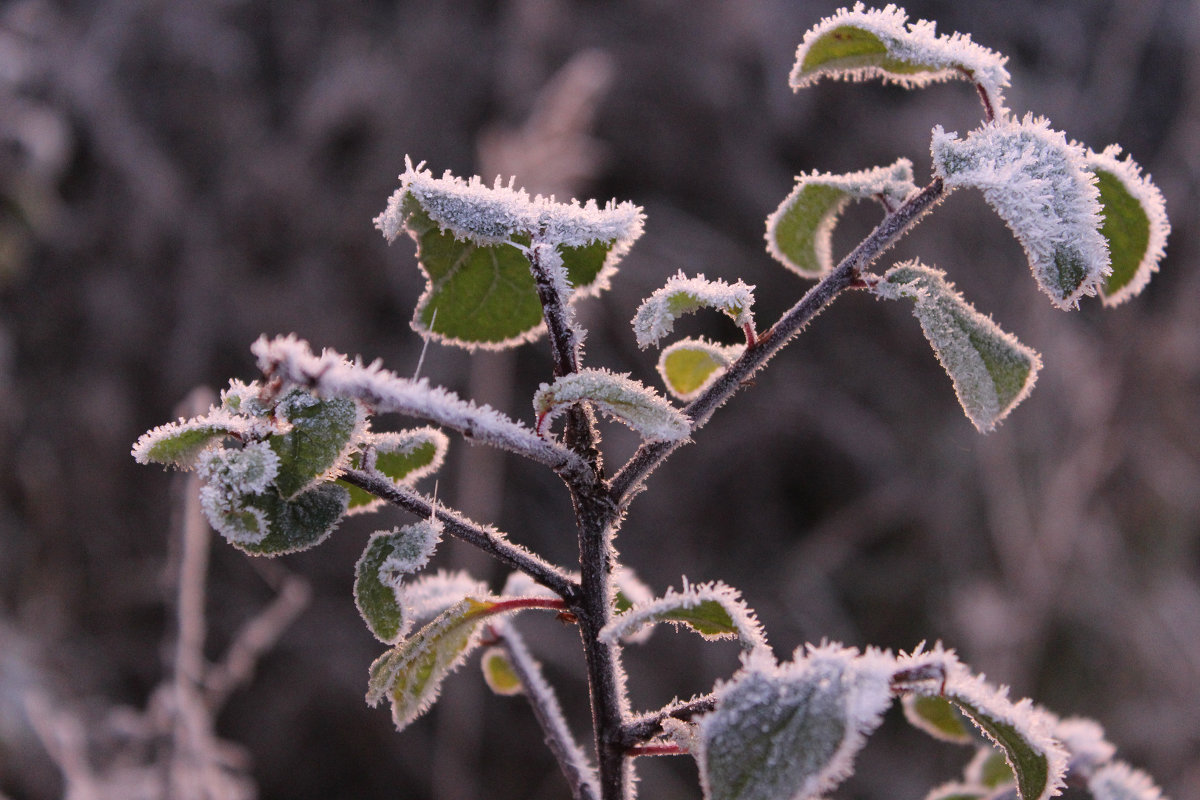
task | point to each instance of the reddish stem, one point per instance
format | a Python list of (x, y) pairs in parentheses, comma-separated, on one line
[(657, 750)]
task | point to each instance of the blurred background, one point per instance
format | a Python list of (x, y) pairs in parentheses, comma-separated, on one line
[(178, 177)]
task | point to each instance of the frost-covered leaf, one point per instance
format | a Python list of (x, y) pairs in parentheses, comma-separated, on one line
[(388, 557), (618, 396), (958, 791), (681, 295), (429, 595), (713, 610), (244, 470), (791, 731), (178, 443), (689, 366), (1041, 186), (411, 673), (992, 371), (498, 672), (403, 456), (480, 287), (800, 232), (1135, 223), (860, 44), (267, 524), (1023, 732), (989, 768), (318, 442), (1119, 781), (1085, 743), (937, 717)]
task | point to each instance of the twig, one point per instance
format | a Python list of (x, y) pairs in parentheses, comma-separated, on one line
[(548, 712), (648, 726)]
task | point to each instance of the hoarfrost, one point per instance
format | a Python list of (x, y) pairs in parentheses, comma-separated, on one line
[(1085, 742), (1040, 184), (910, 54), (618, 396), (180, 443), (238, 523), (1119, 781), (247, 470), (429, 595), (673, 607), (683, 295), (412, 547)]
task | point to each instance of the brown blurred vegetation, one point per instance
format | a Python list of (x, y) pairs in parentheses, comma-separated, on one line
[(178, 177)]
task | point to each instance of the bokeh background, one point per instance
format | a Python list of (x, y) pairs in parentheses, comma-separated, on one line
[(178, 177)]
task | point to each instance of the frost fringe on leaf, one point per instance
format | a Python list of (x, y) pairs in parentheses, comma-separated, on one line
[(1040, 185), (1119, 781), (378, 586), (619, 396), (713, 610), (860, 44), (179, 443), (799, 233), (681, 295), (690, 366)]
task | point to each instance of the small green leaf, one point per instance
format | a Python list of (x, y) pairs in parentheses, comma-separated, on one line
[(689, 366), (404, 456), (291, 525), (411, 673), (799, 232), (178, 443), (1135, 224), (1027, 760), (681, 295), (858, 44), (389, 556), (627, 400), (713, 610), (937, 717), (992, 371), (320, 437), (498, 672), (990, 768)]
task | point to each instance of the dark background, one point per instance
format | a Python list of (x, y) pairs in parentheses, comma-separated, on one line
[(177, 178)]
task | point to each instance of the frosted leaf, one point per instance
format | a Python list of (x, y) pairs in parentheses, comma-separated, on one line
[(319, 439), (179, 443), (938, 717), (992, 372), (244, 398), (618, 396), (246, 470), (472, 244), (862, 43), (330, 375), (267, 524), (800, 232), (1085, 742), (498, 672), (1135, 223), (1041, 186), (958, 791), (989, 768), (429, 595), (791, 731), (403, 456), (388, 557), (713, 610), (683, 295), (1022, 731), (1119, 781), (690, 366)]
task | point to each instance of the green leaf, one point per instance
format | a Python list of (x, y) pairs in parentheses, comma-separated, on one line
[(290, 525), (178, 444), (1025, 757), (713, 610), (799, 232), (858, 44), (618, 396), (992, 371), (689, 366), (411, 673), (389, 556), (404, 456), (498, 672), (937, 717), (320, 437), (791, 731), (991, 769), (1135, 224)]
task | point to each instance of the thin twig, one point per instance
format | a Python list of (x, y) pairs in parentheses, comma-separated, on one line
[(548, 712), (648, 726), (649, 456), (485, 538)]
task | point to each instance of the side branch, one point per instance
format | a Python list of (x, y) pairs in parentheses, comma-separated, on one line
[(844, 276), (548, 712), (290, 360), (647, 726), (485, 538)]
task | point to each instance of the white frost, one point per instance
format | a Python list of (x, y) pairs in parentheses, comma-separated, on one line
[(619, 396), (647, 612), (683, 295), (1085, 742), (914, 43), (429, 595), (246, 470), (1119, 781)]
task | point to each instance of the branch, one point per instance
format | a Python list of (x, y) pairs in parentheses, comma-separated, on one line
[(648, 726), (485, 538), (291, 360), (845, 275), (546, 709)]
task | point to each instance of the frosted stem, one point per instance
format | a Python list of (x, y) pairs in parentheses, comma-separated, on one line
[(648, 726), (486, 539), (548, 712), (844, 276)]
